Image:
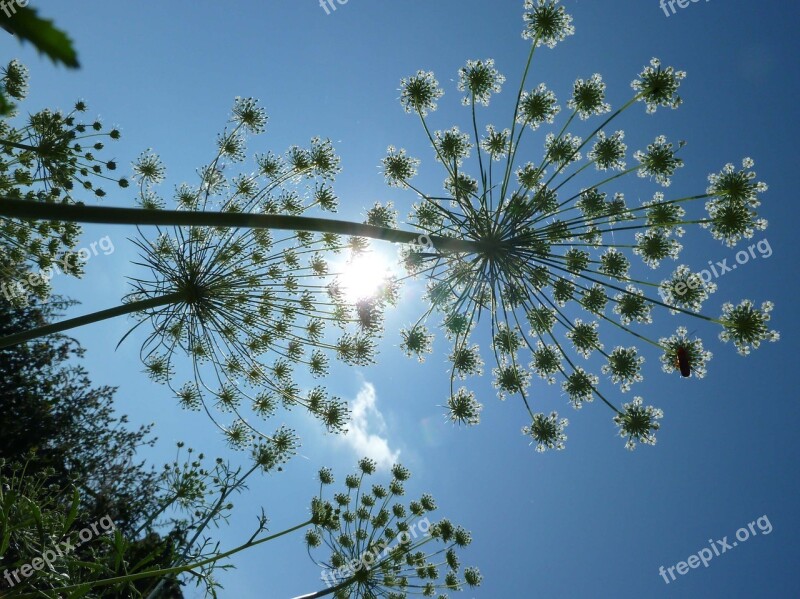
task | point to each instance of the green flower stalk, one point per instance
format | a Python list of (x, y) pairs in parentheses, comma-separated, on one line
[(204, 495), (555, 247), (382, 547)]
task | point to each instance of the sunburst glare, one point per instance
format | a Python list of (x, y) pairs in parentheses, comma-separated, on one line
[(364, 275)]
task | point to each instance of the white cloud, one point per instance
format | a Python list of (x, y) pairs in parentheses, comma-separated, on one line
[(366, 427)]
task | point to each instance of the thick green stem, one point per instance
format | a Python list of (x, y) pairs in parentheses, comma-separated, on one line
[(11, 208), (71, 323), (25, 147), (328, 591)]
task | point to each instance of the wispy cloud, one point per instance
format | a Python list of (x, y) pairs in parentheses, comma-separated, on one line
[(367, 429)]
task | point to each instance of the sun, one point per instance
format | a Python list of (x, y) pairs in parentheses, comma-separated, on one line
[(363, 276)]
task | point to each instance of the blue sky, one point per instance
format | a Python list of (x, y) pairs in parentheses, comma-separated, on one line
[(593, 520)]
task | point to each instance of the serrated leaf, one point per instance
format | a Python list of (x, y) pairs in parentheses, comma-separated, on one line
[(28, 26)]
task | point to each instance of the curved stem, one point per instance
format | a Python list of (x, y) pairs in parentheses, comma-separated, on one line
[(328, 591), (512, 150), (79, 321), (178, 569)]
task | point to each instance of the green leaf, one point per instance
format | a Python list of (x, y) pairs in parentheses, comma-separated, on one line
[(28, 26), (93, 566), (5, 540), (36, 512), (120, 545), (73, 511), (80, 592)]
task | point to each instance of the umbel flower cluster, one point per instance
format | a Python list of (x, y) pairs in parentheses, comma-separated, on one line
[(250, 307), (551, 247), (48, 157), (380, 546), (523, 236)]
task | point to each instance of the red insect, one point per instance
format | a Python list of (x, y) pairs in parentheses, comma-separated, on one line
[(682, 362)]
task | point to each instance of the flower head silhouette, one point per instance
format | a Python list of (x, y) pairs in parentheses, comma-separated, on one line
[(551, 262), (250, 307), (381, 546)]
